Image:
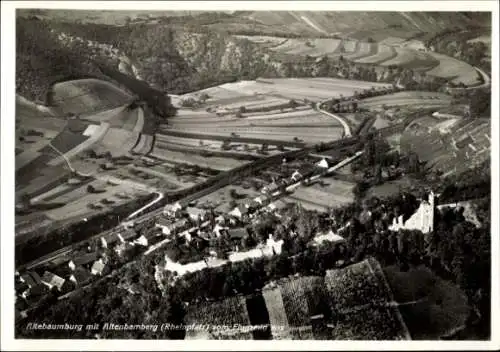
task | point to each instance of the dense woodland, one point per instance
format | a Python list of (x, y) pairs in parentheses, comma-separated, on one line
[(173, 60)]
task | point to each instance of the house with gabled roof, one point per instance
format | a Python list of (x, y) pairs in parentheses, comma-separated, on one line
[(323, 163), (82, 260), (80, 276), (52, 280)]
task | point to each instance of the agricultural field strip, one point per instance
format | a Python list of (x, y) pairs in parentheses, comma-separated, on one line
[(364, 50), (239, 139), (305, 113), (408, 57), (384, 53), (79, 198), (183, 158), (319, 196), (268, 101), (105, 115), (79, 208), (263, 132), (450, 67), (410, 95)]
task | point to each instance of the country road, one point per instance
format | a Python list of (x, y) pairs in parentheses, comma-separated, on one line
[(347, 129), (150, 204)]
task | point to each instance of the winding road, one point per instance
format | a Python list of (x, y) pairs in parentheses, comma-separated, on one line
[(347, 129)]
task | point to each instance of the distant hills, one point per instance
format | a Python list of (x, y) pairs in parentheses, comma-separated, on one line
[(178, 52)]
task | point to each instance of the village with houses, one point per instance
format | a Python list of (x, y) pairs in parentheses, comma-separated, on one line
[(297, 184)]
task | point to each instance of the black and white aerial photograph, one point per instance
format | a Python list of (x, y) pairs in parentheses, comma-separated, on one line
[(251, 174)]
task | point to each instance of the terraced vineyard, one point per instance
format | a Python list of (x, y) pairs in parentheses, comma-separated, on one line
[(227, 313), (451, 149), (387, 52)]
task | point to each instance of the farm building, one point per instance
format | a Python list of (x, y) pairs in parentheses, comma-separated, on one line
[(229, 313), (52, 280)]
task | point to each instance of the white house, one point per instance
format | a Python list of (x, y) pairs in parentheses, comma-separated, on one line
[(98, 267), (142, 241), (239, 211), (323, 164)]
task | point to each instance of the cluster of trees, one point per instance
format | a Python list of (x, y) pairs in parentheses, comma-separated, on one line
[(40, 59)]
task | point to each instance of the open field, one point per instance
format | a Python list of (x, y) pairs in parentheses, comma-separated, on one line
[(78, 200), (412, 59), (312, 47), (187, 158), (414, 98), (334, 193), (265, 41), (304, 116), (307, 134), (85, 95), (452, 68), (313, 89)]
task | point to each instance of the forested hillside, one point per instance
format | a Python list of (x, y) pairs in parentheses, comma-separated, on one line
[(186, 53)]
